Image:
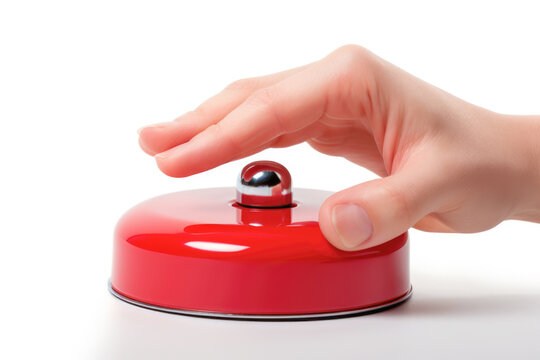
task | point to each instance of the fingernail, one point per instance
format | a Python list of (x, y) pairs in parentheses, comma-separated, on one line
[(352, 224)]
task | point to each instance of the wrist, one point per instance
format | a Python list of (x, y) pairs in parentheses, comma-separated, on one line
[(523, 134)]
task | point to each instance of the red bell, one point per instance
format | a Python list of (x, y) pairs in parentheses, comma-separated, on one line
[(261, 256)]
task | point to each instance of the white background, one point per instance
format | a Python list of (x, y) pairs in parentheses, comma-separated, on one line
[(76, 81)]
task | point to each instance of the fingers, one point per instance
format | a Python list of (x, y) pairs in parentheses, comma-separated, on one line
[(283, 108), (374, 212), (160, 137), (163, 136)]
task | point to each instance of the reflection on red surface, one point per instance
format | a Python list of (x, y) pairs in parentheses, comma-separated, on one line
[(215, 246)]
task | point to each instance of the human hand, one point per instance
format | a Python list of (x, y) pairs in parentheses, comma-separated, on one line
[(445, 165)]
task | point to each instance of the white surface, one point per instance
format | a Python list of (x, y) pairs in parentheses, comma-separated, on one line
[(77, 80)]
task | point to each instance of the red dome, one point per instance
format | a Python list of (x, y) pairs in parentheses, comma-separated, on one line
[(199, 252)]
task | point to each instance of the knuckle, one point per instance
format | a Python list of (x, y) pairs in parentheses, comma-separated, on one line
[(349, 49), (219, 132), (353, 52), (264, 97), (200, 111), (353, 57), (245, 84), (265, 101), (357, 72)]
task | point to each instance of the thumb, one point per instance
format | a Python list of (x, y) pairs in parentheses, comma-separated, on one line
[(377, 211)]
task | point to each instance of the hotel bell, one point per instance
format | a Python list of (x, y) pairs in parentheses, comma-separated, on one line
[(254, 252)]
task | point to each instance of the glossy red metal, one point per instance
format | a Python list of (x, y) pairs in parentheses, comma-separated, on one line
[(200, 251)]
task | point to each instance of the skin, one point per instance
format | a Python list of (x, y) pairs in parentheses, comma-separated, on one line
[(445, 165)]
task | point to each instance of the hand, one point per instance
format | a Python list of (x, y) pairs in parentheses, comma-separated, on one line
[(445, 165)]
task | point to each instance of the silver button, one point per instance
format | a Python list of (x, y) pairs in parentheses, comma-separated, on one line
[(264, 184)]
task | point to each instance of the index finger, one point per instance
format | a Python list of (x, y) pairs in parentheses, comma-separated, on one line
[(283, 108)]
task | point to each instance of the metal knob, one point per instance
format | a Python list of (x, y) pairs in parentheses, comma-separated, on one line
[(264, 184)]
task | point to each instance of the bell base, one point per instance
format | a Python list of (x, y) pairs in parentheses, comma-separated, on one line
[(269, 317)]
